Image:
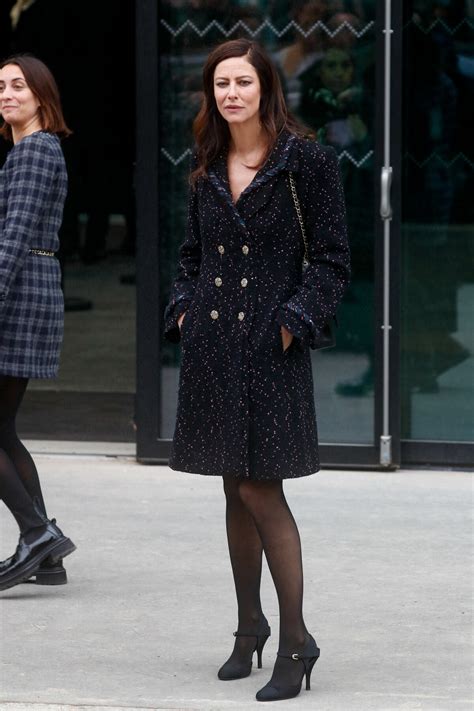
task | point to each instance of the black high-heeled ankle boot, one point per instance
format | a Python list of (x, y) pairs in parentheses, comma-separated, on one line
[(274, 691), (234, 670)]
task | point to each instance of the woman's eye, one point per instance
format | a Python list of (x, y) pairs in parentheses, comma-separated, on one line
[(245, 82)]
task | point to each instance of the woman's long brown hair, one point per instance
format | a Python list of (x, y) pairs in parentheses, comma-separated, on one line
[(210, 129)]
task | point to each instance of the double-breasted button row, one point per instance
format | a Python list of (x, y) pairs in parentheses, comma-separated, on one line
[(215, 315), (221, 249), (243, 282), (218, 282)]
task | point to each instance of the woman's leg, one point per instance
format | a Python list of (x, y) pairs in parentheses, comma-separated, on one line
[(16, 497), (12, 391), (245, 549), (266, 503)]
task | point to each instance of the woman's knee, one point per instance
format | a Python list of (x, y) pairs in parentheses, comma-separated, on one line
[(259, 495), (231, 488)]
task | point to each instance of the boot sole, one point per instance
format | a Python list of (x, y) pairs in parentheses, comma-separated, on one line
[(56, 551), (50, 577)]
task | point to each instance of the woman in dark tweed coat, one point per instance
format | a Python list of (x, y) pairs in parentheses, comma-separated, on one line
[(246, 318), (33, 185)]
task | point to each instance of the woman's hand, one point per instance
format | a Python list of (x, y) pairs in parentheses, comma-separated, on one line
[(286, 338), (181, 319)]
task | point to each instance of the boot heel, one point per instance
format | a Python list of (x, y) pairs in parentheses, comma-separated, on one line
[(55, 576), (309, 664), (261, 641)]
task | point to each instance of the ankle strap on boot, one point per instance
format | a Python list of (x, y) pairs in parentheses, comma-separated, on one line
[(297, 657), (260, 633)]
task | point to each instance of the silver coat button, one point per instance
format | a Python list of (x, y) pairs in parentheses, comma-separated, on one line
[(218, 281), (241, 316), (244, 282), (245, 249), (214, 314), (221, 249)]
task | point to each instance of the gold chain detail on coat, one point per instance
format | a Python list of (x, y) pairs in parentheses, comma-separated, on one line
[(300, 216)]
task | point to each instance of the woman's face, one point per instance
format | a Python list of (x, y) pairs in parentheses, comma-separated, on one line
[(18, 105), (237, 90), (337, 71)]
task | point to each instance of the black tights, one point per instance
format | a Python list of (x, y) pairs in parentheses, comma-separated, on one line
[(259, 520), (19, 482)]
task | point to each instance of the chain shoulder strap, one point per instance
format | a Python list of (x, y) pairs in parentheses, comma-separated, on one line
[(300, 217)]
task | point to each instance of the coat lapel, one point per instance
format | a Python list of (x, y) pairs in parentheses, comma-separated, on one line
[(258, 193), (282, 159)]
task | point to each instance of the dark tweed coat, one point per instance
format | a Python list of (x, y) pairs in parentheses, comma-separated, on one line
[(33, 185), (245, 407)]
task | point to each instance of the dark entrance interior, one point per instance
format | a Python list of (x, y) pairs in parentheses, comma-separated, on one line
[(90, 48)]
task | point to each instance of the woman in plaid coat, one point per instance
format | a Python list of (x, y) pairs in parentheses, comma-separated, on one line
[(33, 186)]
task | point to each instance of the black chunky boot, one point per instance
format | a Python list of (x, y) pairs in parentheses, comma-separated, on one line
[(46, 542)]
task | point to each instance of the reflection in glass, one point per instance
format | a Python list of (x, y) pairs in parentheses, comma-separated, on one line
[(324, 51)]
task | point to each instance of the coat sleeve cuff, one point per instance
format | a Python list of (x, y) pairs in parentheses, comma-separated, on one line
[(295, 324), (173, 311)]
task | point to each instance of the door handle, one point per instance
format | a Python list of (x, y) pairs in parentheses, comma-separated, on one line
[(385, 190)]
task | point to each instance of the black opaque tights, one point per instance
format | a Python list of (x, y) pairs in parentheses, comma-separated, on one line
[(259, 520), (19, 482)]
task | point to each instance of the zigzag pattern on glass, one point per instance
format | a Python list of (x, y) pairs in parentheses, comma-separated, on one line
[(440, 159), (266, 24), (341, 156), (438, 21), (179, 159)]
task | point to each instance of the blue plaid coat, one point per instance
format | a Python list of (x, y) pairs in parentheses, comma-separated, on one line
[(33, 186)]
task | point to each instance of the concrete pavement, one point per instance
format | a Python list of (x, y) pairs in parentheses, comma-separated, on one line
[(148, 615)]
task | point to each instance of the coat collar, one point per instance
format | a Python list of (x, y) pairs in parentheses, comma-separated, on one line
[(284, 157)]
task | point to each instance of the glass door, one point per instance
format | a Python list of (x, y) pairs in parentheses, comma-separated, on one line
[(437, 289), (331, 57)]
